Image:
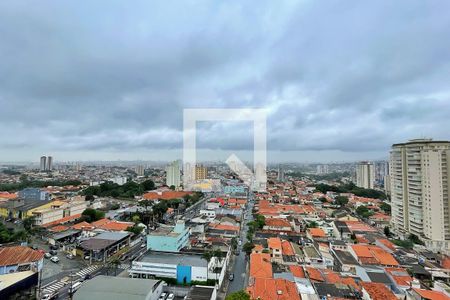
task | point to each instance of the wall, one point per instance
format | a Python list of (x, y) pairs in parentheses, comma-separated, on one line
[(184, 274), (198, 273)]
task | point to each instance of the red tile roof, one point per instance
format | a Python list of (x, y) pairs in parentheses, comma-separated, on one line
[(400, 276), (59, 228), (274, 222), (260, 265), (274, 243), (314, 274), (83, 225), (62, 220), (269, 289), (287, 248), (431, 295), (388, 244), (165, 195), (224, 227), (18, 255), (111, 225), (297, 271), (378, 291), (316, 232), (373, 255)]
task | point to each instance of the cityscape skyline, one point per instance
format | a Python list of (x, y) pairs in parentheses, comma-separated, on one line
[(131, 82)]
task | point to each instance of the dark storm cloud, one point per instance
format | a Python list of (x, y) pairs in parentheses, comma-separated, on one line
[(114, 76)]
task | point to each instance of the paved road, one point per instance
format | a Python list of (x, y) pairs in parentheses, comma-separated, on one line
[(240, 263)]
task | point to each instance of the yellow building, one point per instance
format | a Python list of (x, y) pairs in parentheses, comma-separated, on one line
[(21, 209)]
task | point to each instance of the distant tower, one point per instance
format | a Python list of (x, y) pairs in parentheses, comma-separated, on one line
[(173, 174), (365, 175), (201, 172), (140, 170), (43, 163), (280, 174), (49, 163)]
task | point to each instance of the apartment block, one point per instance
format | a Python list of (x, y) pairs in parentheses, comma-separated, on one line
[(419, 175)]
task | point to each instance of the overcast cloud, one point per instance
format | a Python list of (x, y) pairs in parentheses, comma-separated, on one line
[(110, 79)]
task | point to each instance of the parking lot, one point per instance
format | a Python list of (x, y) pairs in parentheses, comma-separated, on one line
[(64, 267)]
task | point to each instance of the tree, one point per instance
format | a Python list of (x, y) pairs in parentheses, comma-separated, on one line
[(218, 257), (159, 210), (239, 295), (172, 187), (248, 247), (135, 219), (387, 231), (341, 200), (323, 199), (234, 243), (148, 185), (115, 263), (260, 221), (385, 207), (415, 239), (28, 223), (313, 224), (92, 215), (135, 229), (363, 211), (207, 255)]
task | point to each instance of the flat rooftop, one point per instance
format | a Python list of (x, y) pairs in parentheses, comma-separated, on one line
[(183, 259)]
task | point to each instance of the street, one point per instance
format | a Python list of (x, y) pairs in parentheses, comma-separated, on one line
[(240, 263)]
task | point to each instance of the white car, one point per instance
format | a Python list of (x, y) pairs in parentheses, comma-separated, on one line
[(55, 259), (162, 296), (170, 297)]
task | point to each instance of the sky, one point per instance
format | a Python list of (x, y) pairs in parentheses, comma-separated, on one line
[(106, 80)]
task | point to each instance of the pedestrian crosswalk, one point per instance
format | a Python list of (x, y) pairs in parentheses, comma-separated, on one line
[(88, 270), (53, 287)]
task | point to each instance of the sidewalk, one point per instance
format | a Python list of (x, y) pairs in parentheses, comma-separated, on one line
[(222, 292)]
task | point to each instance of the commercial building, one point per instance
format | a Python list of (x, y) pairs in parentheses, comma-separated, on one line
[(185, 268), (102, 246), (20, 208), (57, 210), (168, 238), (117, 288), (365, 175), (173, 174), (419, 175), (19, 258)]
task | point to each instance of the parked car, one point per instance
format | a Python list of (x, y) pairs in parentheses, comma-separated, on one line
[(69, 256), (47, 255), (87, 257), (74, 287), (170, 297), (53, 247), (50, 296), (53, 252), (55, 259), (163, 296), (231, 277)]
